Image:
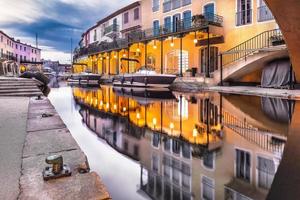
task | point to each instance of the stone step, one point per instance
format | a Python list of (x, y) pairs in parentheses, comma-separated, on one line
[(18, 87), (15, 79), (19, 90), (23, 94), (18, 84)]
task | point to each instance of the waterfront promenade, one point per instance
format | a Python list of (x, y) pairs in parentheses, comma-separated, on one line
[(31, 130)]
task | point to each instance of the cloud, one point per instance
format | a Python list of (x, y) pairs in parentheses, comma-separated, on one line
[(55, 21)]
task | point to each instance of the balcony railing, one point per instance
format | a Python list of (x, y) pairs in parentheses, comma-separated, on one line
[(264, 14), (244, 17), (167, 6), (197, 22), (7, 57), (111, 28)]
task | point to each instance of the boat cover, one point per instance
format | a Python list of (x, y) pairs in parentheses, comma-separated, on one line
[(279, 110), (277, 74)]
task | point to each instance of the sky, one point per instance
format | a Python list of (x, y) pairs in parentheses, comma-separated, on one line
[(54, 21)]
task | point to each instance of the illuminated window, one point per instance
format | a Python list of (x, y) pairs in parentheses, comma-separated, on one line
[(173, 61), (184, 108)]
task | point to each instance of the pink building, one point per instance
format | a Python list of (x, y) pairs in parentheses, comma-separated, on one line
[(13, 53), (132, 19)]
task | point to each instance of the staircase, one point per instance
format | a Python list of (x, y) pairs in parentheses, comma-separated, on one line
[(19, 87), (251, 55)]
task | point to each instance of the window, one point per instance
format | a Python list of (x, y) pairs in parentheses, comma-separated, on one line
[(207, 188), (21, 58), (31, 50), (95, 35), (173, 61), (156, 27), (243, 165), (167, 144), (208, 160), (1, 38), (25, 58), (155, 139), (155, 163), (209, 11), (263, 12), (126, 18), (168, 25), (155, 5), (187, 19), (24, 48), (266, 172), (16, 46), (35, 51), (1, 52), (244, 12), (136, 13), (20, 47), (183, 108), (176, 22), (213, 59)]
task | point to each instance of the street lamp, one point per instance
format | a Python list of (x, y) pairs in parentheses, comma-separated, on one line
[(171, 127), (195, 133)]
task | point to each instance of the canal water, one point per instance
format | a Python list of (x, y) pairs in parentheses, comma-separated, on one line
[(150, 144)]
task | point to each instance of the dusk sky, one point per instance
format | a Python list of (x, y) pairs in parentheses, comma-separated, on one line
[(55, 22)]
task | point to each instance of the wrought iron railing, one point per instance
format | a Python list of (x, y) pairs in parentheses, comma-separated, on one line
[(242, 51), (111, 28), (264, 14), (244, 17), (265, 139), (7, 57), (197, 22)]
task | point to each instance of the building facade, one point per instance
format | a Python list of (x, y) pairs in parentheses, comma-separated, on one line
[(177, 36), (14, 52)]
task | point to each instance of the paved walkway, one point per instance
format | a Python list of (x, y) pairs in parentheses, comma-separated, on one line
[(12, 132), (247, 90)]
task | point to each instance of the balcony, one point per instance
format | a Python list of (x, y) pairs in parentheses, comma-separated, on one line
[(7, 57), (244, 17), (197, 22), (167, 6), (111, 29), (264, 14)]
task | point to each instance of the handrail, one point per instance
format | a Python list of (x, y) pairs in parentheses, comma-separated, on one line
[(265, 39)]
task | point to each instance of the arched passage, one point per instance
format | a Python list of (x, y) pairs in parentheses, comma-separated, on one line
[(287, 16)]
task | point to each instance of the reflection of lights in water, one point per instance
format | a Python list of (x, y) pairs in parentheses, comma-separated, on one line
[(115, 107), (101, 103), (138, 116), (195, 132), (107, 105), (154, 121), (96, 101), (124, 109), (115, 56), (124, 55), (195, 41), (138, 50), (107, 57), (172, 44), (171, 126)]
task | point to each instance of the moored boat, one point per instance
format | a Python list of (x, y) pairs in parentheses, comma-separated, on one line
[(85, 78), (145, 77)]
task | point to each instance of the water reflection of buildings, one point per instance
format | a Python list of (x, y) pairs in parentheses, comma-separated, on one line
[(191, 147)]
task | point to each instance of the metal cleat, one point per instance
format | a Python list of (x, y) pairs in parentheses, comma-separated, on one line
[(58, 168)]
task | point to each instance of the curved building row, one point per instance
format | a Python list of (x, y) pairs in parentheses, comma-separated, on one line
[(13, 52), (216, 39)]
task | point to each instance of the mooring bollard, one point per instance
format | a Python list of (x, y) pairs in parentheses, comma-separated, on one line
[(58, 168)]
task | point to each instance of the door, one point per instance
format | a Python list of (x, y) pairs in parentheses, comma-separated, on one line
[(168, 25), (209, 11), (213, 61), (176, 22), (156, 28)]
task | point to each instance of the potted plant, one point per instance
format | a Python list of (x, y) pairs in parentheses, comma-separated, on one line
[(188, 73), (277, 40)]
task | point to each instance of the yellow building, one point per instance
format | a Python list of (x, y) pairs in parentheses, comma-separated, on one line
[(175, 36)]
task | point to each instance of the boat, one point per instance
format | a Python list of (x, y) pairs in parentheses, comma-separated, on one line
[(144, 77), (85, 78), (145, 95)]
